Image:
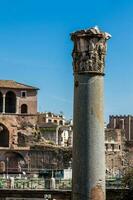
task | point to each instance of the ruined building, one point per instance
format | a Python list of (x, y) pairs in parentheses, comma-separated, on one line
[(18, 112), (125, 124), (55, 129), (18, 118), (122, 122), (22, 147), (49, 117), (115, 152)]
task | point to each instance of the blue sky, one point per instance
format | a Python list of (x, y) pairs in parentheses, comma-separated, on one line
[(35, 48)]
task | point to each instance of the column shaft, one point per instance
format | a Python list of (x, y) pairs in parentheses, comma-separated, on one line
[(88, 146)]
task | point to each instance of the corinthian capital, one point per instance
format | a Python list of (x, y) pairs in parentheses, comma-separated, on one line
[(89, 50)]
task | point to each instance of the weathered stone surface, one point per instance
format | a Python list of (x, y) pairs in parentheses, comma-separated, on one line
[(18, 125), (115, 152), (89, 50), (88, 138), (124, 122)]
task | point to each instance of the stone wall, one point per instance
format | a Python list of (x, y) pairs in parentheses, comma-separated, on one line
[(30, 99), (50, 157), (114, 151), (36, 159), (122, 122), (18, 124)]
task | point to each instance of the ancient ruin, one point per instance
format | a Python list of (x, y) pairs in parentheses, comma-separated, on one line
[(23, 147), (88, 140)]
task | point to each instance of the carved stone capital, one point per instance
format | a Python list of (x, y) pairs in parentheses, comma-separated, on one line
[(89, 51)]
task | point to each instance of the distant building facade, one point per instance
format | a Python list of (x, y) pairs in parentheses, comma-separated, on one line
[(49, 117), (17, 98), (66, 136), (55, 129), (122, 122), (114, 151)]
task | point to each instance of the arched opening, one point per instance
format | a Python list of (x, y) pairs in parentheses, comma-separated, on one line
[(4, 136), (10, 102), (1, 102), (24, 108), (14, 162)]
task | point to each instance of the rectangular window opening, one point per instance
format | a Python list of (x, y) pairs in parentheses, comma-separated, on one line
[(23, 94)]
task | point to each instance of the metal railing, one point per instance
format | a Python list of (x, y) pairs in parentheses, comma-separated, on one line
[(43, 183), (35, 183)]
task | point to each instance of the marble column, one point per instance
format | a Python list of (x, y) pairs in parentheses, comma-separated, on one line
[(88, 181)]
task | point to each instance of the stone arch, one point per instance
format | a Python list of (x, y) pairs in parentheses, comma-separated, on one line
[(14, 162), (4, 136), (24, 108), (10, 102), (1, 102)]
